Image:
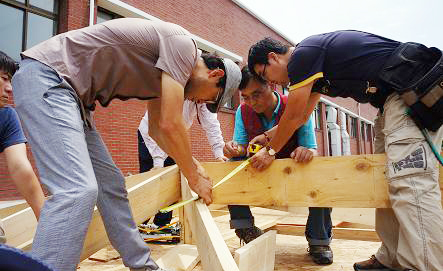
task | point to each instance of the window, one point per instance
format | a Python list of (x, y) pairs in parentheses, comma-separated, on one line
[(25, 23), (353, 127), (104, 15)]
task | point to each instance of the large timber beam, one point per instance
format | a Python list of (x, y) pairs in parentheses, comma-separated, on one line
[(214, 253), (258, 255), (355, 181), (162, 186), (145, 199)]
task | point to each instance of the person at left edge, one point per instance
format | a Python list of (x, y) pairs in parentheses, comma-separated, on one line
[(55, 91), (13, 144)]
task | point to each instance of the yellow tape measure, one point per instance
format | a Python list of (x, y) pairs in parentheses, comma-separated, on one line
[(254, 148), (227, 177)]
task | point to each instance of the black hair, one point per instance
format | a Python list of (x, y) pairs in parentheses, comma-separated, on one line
[(246, 76), (213, 61), (7, 64), (258, 53)]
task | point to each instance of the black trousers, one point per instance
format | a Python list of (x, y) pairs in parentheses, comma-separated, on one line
[(146, 163)]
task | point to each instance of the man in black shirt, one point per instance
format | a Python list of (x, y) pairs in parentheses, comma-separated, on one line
[(354, 64)]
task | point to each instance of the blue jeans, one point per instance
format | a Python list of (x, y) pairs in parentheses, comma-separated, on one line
[(319, 226), (77, 169)]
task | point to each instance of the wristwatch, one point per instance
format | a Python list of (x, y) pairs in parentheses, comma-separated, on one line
[(270, 150)]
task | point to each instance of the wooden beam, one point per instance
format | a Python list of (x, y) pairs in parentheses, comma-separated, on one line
[(214, 253), (258, 255), (7, 211), (337, 233), (163, 189), (186, 235), (263, 219), (355, 181), (162, 185), (182, 257), (20, 227)]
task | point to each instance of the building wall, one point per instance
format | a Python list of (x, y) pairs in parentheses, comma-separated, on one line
[(221, 22)]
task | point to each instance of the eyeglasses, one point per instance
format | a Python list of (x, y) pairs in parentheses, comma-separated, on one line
[(219, 93)]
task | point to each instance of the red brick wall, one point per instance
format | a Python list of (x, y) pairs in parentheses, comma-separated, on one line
[(221, 22)]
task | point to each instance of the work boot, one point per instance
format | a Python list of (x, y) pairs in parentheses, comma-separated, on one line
[(248, 234), (371, 265), (321, 254)]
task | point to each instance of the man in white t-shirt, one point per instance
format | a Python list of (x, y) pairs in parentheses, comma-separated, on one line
[(150, 155)]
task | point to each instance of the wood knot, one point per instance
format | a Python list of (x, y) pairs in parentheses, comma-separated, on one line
[(362, 166), (313, 194), (287, 170)]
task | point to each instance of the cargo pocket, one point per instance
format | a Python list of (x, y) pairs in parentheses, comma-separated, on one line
[(408, 154)]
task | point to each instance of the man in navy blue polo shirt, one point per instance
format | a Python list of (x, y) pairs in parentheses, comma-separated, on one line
[(354, 64), (261, 110), (12, 143)]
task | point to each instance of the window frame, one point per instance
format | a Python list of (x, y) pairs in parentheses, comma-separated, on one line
[(112, 14), (28, 8)]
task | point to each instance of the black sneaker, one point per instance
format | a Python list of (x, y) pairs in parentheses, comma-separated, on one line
[(248, 234), (321, 254), (371, 265)]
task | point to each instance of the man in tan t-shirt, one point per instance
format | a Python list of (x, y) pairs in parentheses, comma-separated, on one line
[(55, 91)]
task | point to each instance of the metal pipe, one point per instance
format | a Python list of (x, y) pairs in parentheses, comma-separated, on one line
[(91, 12)]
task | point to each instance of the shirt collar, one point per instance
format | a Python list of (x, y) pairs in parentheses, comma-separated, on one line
[(277, 108)]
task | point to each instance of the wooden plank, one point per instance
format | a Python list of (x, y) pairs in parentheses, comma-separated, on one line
[(163, 189), (182, 257), (337, 233), (263, 218), (215, 255), (20, 226), (133, 180), (258, 255), (163, 186), (364, 216), (355, 181), (185, 230), (7, 211)]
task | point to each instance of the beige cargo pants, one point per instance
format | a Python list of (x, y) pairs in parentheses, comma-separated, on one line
[(412, 231)]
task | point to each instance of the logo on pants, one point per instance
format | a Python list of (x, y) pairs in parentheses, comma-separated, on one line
[(413, 160)]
